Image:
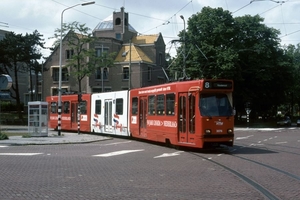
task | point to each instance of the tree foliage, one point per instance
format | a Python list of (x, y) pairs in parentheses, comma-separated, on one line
[(84, 60), (18, 52), (242, 49)]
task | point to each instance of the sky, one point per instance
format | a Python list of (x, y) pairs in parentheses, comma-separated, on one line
[(146, 16)]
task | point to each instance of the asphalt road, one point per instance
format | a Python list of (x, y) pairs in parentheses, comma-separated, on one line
[(263, 164)]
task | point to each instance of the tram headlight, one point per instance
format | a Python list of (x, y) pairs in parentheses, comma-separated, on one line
[(229, 131), (207, 131)]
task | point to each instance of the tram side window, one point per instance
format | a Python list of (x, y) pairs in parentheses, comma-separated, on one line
[(83, 107), (98, 107), (170, 104), (151, 105), (66, 108), (53, 107), (119, 106), (134, 106), (160, 104)]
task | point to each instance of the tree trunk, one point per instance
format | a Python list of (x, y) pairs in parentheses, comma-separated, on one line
[(19, 106)]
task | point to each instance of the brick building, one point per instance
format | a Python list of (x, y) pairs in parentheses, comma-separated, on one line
[(139, 61)]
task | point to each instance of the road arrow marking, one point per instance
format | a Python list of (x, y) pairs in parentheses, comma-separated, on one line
[(116, 153), (169, 154)]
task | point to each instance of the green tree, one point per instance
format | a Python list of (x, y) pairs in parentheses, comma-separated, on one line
[(33, 55), (242, 49), (262, 65), (209, 41), (17, 51), (292, 95)]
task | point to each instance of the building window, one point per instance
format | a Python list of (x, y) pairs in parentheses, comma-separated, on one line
[(64, 73), (105, 73), (100, 51), (96, 89), (98, 74), (149, 73), (69, 53), (118, 21), (125, 73), (107, 89), (118, 36), (54, 90)]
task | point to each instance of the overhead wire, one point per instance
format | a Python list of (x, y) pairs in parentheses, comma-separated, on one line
[(280, 4), (169, 19)]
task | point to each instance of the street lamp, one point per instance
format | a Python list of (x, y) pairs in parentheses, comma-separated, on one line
[(129, 70), (60, 67), (124, 54), (184, 74)]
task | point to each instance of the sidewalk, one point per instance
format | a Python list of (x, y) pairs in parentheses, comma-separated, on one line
[(53, 138)]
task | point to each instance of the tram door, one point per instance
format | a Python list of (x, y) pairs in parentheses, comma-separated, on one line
[(108, 115), (74, 115), (186, 121), (143, 116)]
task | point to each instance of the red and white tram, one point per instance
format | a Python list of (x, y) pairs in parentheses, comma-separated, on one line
[(188, 113), (110, 113), (69, 114)]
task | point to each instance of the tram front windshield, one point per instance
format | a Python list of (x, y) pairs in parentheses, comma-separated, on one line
[(215, 105)]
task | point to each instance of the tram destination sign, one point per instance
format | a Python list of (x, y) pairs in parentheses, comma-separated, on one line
[(217, 85)]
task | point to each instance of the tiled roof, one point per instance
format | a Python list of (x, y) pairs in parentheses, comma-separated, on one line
[(136, 55), (145, 39)]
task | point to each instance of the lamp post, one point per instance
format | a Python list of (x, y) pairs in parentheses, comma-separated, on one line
[(184, 74), (129, 70), (60, 65)]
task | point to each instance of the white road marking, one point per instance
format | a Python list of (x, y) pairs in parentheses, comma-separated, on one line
[(116, 143), (257, 129), (3, 146), (169, 154), (242, 138), (280, 142), (256, 145), (116, 153), (19, 154)]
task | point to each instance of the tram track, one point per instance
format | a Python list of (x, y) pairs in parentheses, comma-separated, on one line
[(274, 177), (264, 191), (270, 167)]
